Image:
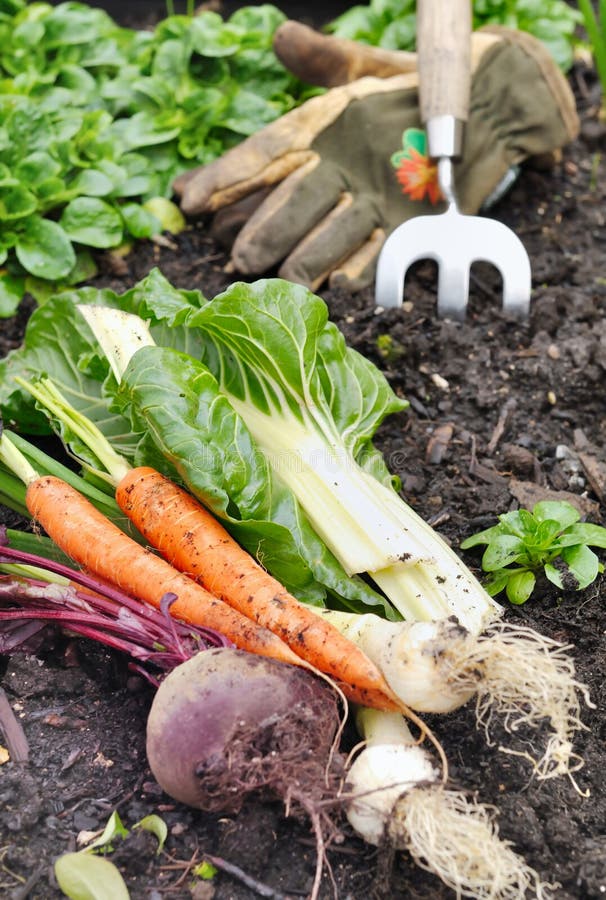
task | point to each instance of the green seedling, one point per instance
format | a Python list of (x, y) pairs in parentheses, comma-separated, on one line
[(88, 875), (550, 539)]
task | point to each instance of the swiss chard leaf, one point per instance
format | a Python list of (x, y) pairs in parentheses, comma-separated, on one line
[(178, 401)]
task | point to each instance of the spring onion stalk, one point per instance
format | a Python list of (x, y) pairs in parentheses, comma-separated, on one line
[(12, 493), (511, 670), (397, 793)]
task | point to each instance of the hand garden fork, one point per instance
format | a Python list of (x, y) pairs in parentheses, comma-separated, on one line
[(452, 239)]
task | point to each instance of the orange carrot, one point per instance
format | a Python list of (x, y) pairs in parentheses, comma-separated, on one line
[(193, 541), (99, 546)]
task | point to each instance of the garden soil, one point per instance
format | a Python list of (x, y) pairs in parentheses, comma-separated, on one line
[(501, 413)]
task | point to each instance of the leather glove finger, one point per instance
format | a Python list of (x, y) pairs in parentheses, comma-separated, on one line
[(347, 227), (292, 210), (229, 221), (264, 158), (327, 61), (358, 270)]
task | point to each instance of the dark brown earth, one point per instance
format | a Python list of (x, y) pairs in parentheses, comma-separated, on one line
[(500, 412)]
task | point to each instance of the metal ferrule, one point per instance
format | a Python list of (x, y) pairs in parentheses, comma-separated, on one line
[(444, 136)]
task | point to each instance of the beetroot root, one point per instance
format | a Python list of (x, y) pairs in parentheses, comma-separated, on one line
[(227, 723)]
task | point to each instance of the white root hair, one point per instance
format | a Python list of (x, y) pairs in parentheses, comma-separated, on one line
[(456, 838), (526, 678), (396, 795)]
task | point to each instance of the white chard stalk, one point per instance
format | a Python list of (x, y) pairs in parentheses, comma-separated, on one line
[(119, 333), (397, 794)]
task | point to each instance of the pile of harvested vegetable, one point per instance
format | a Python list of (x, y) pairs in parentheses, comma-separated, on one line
[(501, 415)]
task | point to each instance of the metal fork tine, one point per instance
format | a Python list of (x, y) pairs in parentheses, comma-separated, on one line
[(453, 290), (454, 241)]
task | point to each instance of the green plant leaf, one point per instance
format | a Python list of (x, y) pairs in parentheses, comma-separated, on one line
[(37, 167), (84, 876), (583, 565), (12, 289), (45, 351), (45, 250), (520, 586), (559, 510), (554, 575), (92, 183), (90, 221), (16, 202), (517, 521), (497, 581), (502, 551), (168, 213), (546, 533), (113, 829), (157, 826), (140, 222), (586, 533), (482, 537), (211, 36)]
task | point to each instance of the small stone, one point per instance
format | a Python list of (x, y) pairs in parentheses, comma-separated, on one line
[(553, 351), (520, 460), (440, 382)]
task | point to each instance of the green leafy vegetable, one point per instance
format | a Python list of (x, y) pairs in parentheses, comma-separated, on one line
[(113, 829), (392, 23), (97, 120), (550, 539), (157, 826), (299, 409)]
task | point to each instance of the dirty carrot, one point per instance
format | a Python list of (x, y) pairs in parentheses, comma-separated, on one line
[(193, 541), (100, 547)]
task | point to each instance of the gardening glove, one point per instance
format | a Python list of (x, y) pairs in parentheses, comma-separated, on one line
[(321, 187)]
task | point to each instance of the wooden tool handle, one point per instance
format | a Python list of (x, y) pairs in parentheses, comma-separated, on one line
[(444, 58)]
